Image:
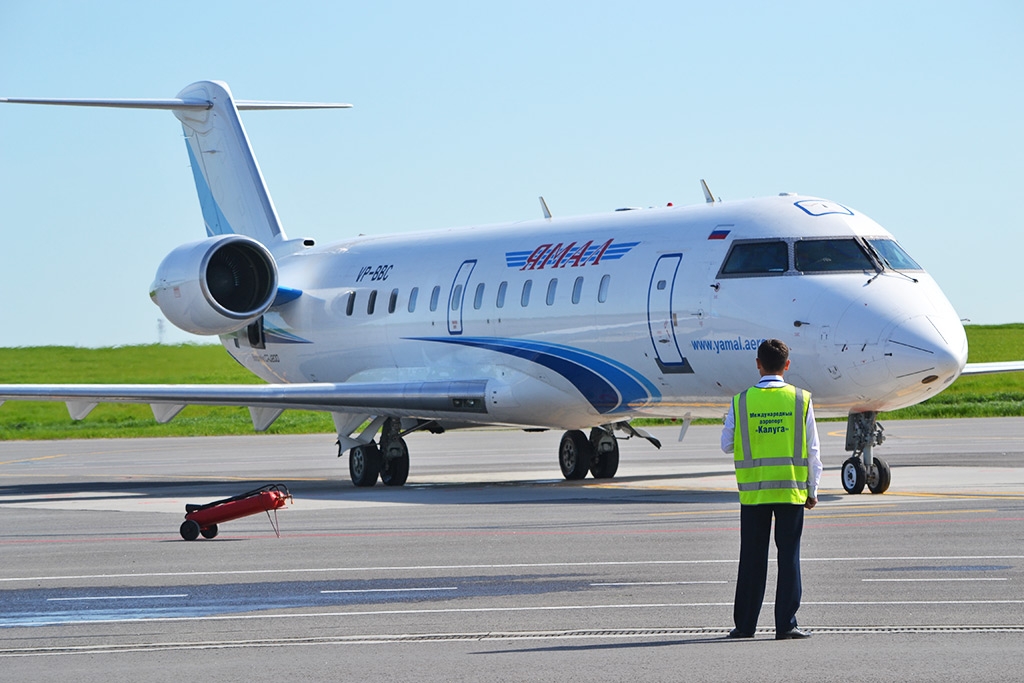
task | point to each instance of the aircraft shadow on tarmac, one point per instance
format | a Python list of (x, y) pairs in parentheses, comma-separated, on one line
[(535, 491)]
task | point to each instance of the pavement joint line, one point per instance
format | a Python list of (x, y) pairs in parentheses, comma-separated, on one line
[(492, 636)]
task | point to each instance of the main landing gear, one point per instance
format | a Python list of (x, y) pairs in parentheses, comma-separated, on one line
[(598, 454), (862, 469), (389, 460)]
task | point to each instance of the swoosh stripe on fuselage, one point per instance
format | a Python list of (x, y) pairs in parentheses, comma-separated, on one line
[(608, 385)]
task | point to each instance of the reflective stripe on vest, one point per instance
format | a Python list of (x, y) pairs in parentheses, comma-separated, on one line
[(798, 435), (772, 479)]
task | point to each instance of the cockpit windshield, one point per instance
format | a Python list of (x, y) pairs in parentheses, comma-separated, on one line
[(830, 255), (766, 257), (893, 254)]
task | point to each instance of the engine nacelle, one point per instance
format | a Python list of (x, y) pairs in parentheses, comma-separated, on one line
[(217, 285)]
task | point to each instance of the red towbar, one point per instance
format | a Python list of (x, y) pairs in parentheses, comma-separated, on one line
[(203, 519)]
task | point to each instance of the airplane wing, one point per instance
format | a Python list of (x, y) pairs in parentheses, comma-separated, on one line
[(992, 368), (266, 402)]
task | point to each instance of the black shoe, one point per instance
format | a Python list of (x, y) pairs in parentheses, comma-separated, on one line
[(792, 634), (736, 633)]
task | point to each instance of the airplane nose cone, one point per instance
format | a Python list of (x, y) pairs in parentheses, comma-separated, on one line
[(930, 348)]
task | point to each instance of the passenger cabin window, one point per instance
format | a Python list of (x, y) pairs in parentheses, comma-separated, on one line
[(602, 289), (552, 286), (434, 295), (478, 298), (393, 301), (577, 289), (351, 305), (502, 288), (371, 303), (757, 258), (525, 298), (413, 293), (830, 256), (893, 255), (456, 297)]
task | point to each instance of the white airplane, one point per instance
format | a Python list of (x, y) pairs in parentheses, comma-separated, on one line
[(560, 323)]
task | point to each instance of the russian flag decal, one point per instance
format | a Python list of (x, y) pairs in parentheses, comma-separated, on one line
[(718, 234)]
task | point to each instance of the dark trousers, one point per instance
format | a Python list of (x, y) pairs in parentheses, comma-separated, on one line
[(755, 533)]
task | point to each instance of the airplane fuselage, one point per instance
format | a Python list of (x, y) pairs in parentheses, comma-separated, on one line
[(604, 318)]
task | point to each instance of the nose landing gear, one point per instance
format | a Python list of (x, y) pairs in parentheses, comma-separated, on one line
[(862, 469)]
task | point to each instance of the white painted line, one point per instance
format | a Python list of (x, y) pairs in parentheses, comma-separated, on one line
[(910, 581), (119, 597), (391, 590), (457, 567), (659, 583)]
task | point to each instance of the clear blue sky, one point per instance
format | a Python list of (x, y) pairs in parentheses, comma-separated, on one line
[(466, 112)]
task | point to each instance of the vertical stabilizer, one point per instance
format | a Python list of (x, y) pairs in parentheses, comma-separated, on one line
[(232, 192)]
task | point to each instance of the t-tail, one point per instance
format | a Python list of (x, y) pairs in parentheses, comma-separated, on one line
[(232, 192), (227, 281)]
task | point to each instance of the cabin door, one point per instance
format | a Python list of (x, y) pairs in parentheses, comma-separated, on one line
[(662, 318), (457, 296)]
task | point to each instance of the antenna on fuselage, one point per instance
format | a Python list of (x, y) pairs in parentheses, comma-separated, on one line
[(544, 207), (708, 197)]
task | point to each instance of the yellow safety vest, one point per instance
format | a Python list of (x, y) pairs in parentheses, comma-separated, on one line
[(770, 445)]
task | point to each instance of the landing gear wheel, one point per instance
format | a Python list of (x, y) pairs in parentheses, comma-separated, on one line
[(210, 531), (606, 454), (395, 463), (854, 475), (189, 530), (364, 464), (575, 454), (878, 476)]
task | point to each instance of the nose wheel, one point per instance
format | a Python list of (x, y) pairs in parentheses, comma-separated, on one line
[(863, 469)]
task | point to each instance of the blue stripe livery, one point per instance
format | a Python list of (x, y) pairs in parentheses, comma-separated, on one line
[(608, 385), (216, 221)]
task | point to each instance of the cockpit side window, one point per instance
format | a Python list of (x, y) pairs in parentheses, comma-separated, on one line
[(764, 257), (830, 255), (894, 256)]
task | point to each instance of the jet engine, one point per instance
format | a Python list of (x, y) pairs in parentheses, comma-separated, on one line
[(217, 285)]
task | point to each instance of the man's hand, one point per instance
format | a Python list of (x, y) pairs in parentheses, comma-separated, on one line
[(811, 502)]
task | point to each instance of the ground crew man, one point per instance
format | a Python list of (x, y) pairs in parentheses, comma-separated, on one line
[(771, 432)]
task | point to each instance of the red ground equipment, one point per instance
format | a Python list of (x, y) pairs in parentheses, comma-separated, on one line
[(203, 519)]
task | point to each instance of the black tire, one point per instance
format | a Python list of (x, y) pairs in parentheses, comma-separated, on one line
[(210, 531), (189, 530), (605, 463), (854, 476), (575, 454), (364, 464), (394, 471), (879, 476)]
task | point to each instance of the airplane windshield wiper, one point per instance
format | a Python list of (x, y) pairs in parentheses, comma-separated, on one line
[(885, 264)]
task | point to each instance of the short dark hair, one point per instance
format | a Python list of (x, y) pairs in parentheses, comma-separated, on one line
[(773, 354)]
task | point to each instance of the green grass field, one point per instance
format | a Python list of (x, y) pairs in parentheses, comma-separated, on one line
[(980, 396)]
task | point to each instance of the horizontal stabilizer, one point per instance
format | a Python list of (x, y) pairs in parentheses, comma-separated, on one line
[(173, 104)]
